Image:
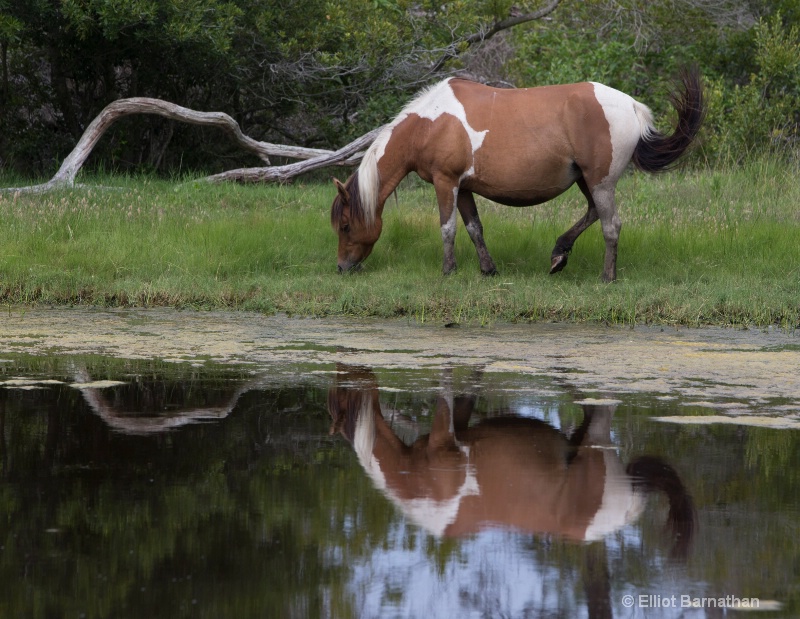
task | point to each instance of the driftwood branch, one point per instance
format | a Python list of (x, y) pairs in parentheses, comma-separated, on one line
[(316, 158), (349, 154)]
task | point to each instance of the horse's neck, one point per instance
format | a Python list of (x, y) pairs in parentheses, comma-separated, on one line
[(393, 163), (389, 184)]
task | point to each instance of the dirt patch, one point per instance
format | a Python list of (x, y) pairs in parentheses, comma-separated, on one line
[(733, 370)]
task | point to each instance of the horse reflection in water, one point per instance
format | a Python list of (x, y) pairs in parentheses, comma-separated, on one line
[(509, 471)]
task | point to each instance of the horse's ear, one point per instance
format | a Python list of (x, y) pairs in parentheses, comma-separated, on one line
[(341, 189)]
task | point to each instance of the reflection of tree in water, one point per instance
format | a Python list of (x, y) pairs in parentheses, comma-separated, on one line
[(509, 471), (3, 448)]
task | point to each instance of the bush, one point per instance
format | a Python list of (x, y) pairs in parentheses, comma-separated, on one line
[(761, 115)]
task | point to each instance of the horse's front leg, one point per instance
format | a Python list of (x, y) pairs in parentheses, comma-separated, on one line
[(469, 213), (447, 197)]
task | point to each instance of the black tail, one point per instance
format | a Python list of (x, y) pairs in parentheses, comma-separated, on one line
[(652, 473), (659, 152)]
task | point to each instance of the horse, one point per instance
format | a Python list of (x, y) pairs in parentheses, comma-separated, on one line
[(517, 147), (508, 470)]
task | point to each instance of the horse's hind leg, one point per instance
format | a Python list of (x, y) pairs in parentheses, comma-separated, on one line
[(607, 212), (469, 213), (564, 243)]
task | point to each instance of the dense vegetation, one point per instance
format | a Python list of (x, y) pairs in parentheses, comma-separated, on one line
[(318, 73)]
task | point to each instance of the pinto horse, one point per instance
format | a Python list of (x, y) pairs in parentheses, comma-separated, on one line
[(507, 470), (518, 147)]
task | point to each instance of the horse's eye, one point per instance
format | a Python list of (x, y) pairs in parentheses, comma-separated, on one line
[(346, 228)]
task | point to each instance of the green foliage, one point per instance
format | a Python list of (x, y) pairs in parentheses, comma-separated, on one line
[(558, 54), (763, 113)]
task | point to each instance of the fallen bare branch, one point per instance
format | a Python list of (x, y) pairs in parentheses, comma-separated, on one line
[(313, 158), (349, 155), (65, 177)]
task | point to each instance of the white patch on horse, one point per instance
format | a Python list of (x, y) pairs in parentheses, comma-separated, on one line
[(628, 122), (621, 503), (472, 229), (431, 103), (436, 515), (364, 442)]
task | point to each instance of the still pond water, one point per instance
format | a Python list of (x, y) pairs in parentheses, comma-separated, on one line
[(136, 488)]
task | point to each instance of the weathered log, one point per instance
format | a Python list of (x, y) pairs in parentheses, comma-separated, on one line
[(348, 155), (315, 157)]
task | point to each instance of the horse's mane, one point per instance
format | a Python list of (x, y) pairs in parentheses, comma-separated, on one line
[(354, 202)]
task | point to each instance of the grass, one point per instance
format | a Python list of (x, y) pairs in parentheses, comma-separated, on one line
[(696, 248)]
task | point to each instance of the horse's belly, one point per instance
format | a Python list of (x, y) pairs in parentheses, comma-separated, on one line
[(520, 200), (523, 182), (512, 194)]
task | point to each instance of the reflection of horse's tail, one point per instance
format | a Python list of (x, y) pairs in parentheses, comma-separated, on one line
[(656, 151), (652, 473)]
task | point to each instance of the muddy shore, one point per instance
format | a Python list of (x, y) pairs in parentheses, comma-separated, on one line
[(751, 372)]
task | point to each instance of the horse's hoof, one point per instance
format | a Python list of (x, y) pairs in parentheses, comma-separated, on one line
[(490, 273), (557, 263)]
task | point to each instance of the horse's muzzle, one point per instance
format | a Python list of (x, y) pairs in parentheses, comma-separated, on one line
[(353, 268)]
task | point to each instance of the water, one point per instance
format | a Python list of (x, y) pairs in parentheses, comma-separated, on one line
[(143, 488)]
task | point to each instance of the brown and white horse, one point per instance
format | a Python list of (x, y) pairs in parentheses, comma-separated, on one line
[(518, 147), (511, 471)]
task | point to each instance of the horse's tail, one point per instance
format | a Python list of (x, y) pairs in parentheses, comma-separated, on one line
[(656, 151), (652, 473)]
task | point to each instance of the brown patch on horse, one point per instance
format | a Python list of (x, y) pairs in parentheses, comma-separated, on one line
[(591, 138), (565, 135)]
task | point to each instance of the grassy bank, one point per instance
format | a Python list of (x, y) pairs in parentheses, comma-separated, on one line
[(713, 247)]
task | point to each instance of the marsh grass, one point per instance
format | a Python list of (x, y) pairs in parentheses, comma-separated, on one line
[(708, 247)]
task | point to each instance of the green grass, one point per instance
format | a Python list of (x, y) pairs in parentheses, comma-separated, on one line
[(697, 247)]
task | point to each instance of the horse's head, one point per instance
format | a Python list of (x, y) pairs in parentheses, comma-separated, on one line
[(357, 232), (355, 393)]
